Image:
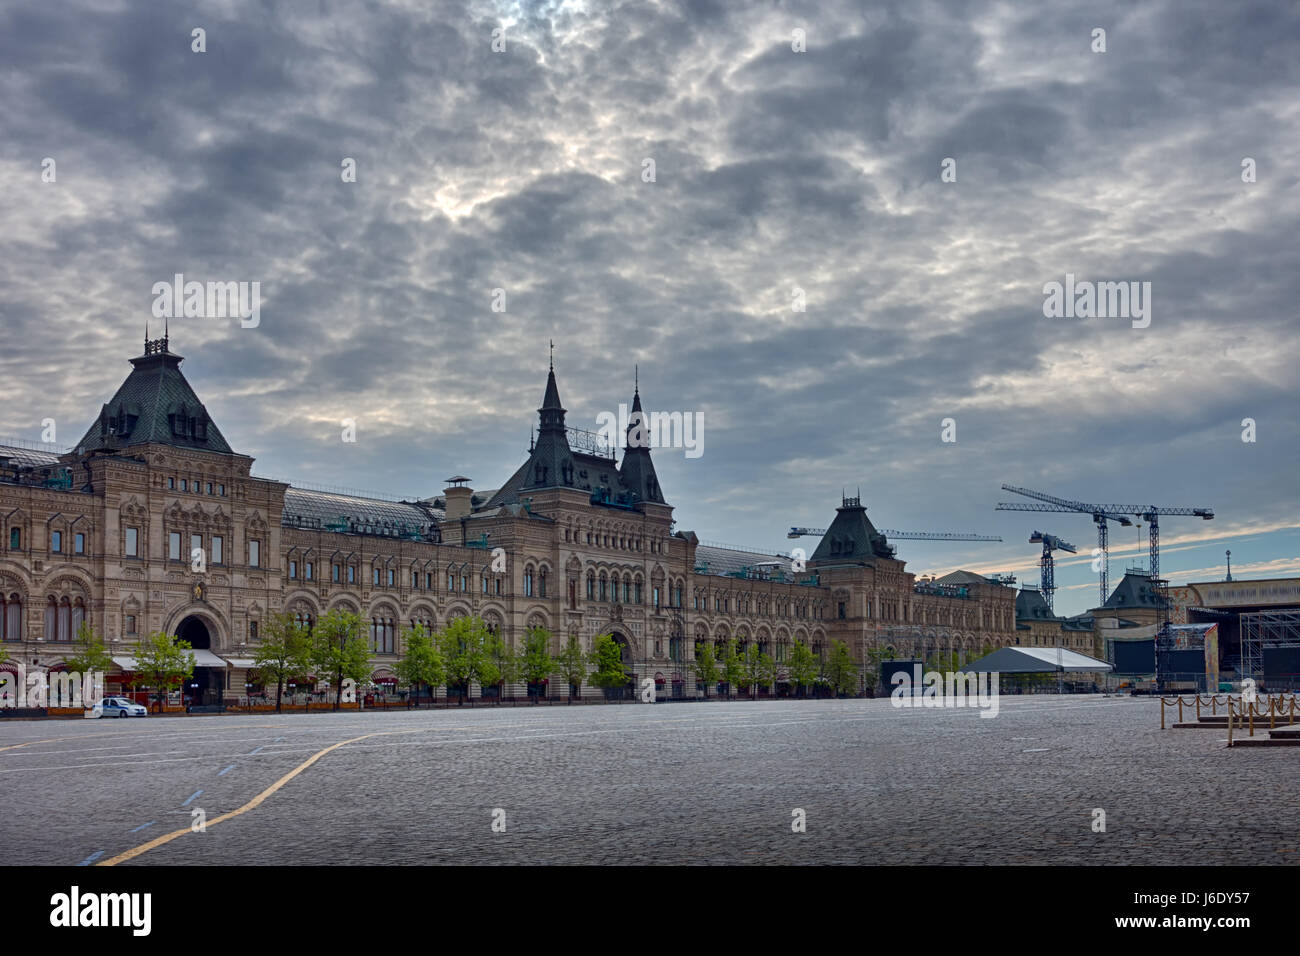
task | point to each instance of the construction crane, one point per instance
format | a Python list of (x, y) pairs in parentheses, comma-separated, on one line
[(909, 535), (1151, 515), (1047, 575), (1100, 515)]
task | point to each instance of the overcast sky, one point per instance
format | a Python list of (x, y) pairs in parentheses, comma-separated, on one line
[(774, 170)]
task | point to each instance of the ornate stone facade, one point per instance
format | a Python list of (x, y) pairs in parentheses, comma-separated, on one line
[(154, 522)]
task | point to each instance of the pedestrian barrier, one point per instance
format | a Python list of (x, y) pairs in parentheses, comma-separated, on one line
[(1270, 705)]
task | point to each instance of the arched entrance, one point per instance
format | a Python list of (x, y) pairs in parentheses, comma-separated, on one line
[(207, 684)]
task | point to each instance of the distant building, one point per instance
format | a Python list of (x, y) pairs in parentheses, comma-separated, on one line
[(107, 533)]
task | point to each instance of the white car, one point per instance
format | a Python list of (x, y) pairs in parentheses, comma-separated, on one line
[(117, 707)]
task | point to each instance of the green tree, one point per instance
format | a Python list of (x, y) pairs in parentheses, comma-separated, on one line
[(464, 643), (803, 665), (733, 665), (163, 661), (421, 664), (282, 653), (571, 663), (339, 648), (841, 671), (706, 667), (90, 655), (767, 672), (751, 665), (535, 664), (607, 660), (501, 664)]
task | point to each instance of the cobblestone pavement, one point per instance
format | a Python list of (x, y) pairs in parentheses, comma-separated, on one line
[(681, 783)]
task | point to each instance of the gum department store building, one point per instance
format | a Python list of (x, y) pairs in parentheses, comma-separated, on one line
[(105, 532)]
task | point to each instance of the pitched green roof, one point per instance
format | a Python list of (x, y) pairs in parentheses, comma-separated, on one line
[(155, 404)]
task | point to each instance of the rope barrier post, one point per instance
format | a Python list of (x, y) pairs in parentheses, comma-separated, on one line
[(1272, 706), (1162, 713), (1180, 708), (1252, 707), (1198, 706), (1229, 721), (1214, 704)]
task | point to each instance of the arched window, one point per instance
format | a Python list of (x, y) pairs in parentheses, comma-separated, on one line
[(51, 619), (541, 583), (11, 618), (78, 616), (591, 586), (604, 587), (528, 582)]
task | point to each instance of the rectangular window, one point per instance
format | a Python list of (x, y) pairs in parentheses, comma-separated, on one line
[(337, 574), (293, 570), (196, 544), (130, 624), (374, 575), (428, 581), (498, 580), (218, 549), (254, 554), (415, 579), (464, 583), (209, 487), (185, 484), (451, 581), (541, 585), (15, 538), (485, 585), (174, 545), (79, 543), (132, 543), (656, 597), (56, 540), (252, 630), (352, 574), (308, 571), (221, 491), (391, 575), (171, 484)]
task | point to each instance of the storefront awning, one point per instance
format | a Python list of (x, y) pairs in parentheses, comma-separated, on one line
[(126, 663), (205, 658), (241, 662)]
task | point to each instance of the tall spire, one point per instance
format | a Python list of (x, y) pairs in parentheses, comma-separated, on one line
[(637, 470)]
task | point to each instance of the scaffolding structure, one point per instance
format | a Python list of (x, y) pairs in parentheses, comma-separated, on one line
[(1260, 629)]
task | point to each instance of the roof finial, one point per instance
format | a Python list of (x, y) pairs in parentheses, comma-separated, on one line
[(552, 355), (636, 379)]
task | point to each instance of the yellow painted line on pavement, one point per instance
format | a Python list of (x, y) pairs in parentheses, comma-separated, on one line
[(251, 804), (48, 740)]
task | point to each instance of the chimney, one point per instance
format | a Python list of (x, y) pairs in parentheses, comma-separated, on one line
[(458, 494)]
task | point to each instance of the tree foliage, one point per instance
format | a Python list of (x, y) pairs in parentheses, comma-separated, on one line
[(705, 664), (339, 649), (163, 661), (282, 653), (421, 664), (606, 659), (841, 670), (571, 664), (803, 664)]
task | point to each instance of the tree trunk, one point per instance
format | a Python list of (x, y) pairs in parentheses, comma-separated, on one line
[(279, 693), (338, 690)]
